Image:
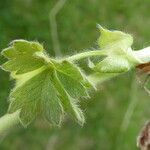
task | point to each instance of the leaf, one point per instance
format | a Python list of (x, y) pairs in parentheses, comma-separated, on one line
[(113, 39), (71, 70), (22, 57), (52, 107), (75, 89), (72, 79), (44, 86), (69, 104), (37, 96), (113, 64)]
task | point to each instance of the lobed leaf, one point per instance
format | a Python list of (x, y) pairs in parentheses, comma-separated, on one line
[(22, 57), (43, 85)]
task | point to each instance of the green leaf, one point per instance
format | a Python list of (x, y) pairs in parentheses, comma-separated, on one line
[(36, 96), (72, 79), (113, 39), (70, 104), (69, 69), (52, 107), (22, 57), (113, 64), (44, 86), (75, 89), (73, 71)]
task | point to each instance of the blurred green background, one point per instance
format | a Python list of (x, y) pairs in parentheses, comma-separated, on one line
[(117, 111)]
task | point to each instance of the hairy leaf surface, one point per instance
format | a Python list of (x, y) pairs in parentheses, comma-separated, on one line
[(37, 96), (114, 39), (22, 57), (44, 86)]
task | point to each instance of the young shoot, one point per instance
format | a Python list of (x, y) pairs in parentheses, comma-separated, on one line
[(52, 88)]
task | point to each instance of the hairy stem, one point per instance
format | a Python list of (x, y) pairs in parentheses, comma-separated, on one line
[(143, 55), (87, 54), (8, 121)]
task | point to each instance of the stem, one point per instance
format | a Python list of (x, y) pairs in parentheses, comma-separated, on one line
[(87, 54), (143, 54), (8, 121)]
